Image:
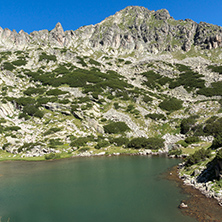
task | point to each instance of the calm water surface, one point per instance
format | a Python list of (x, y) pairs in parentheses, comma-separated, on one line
[(106, 189)]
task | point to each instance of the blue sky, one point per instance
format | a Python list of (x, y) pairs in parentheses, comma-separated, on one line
[(31, 15)]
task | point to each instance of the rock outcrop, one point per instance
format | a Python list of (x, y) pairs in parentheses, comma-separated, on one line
[(133, 28)]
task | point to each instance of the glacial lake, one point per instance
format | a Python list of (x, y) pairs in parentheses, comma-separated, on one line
[(93, 189)]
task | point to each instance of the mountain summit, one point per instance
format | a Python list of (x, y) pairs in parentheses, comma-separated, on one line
[(133, 28)]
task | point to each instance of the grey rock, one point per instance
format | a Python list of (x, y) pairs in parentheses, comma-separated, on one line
[(133, 28)]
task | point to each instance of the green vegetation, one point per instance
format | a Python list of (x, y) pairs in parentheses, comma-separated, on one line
[(187, 124), (31, 91), (20, 62), (116, 127), (53, 143), (52, 131), (55, 92), (198, 156), (81, 61), (215, 68), (29, 107), (91, 81), (219, 155), (81, 141), (28, 146), (192, 139), (155, 116), (93, 62), (171, 104), (183, 143), (128, 62), (155, 80), (52, 156), (120, 141), (214, 90), (47, 58), (8, 66), (116, 105), (175, 152), (12, 128), (150, 143), (147, 99), (102, 143)]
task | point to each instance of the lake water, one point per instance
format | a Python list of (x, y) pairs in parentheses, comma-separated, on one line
[(106, 189)]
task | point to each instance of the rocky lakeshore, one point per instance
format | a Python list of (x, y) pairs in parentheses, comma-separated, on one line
[(204, 187), (201, 204)]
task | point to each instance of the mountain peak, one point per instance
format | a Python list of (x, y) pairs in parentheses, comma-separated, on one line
[(162, 14), (59, 27)]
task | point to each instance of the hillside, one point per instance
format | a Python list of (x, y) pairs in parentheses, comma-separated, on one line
[(137, 82)]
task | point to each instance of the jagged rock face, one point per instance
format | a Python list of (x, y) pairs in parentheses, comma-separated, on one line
[(133, 28)]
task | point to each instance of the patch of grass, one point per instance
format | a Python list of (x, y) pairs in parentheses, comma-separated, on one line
[(52, 156)]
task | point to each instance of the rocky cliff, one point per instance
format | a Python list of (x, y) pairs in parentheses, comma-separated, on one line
[(133, 28)]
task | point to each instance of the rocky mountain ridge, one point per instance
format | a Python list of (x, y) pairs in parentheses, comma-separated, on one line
[(129, 30)]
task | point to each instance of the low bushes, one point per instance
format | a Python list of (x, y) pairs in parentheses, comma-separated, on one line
[(150, 143), (81, 141), (8, 66), (214, 90), (147, 99), (187, 124), (215, 68), (116, 127), (116, 105), (219, 155), (102, 143), (12, 128), (46, 57), (31, 90), (154, 79), (81, 61), (182, 143), (192, 139), (172, 104), (217, 142), (55, 142), (198, 156), (55, 92), (155, 116), (93, 62), (51, 131), (120, 141), (189, 79), (213, 128), (176, 152), (20, 62)]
